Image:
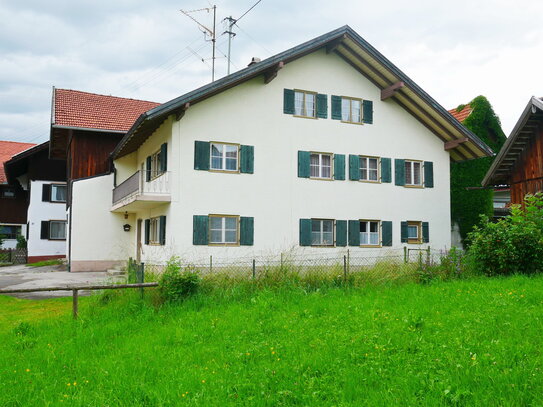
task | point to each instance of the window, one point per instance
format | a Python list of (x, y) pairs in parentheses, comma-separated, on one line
[(369, 233), (321, 165), (413, 173), (351, 110), (369, 169), (223, 230), (224, 157), (414, 234), (10, 231), (156, 165), (8, 193), (58, 193), (57, 230), (154, 229), (322, 232), (304, 103)]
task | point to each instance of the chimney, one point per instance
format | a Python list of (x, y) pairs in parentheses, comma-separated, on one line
[(255, 60)]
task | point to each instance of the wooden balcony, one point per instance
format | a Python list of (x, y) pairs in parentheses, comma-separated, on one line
[(142, 191)]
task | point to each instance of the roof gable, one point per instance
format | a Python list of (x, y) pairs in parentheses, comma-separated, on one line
[(7, 150), (355, 51), (461, 114)]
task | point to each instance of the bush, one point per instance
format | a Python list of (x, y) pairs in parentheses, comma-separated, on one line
[(21, 242), (512, 245), (177, 283)]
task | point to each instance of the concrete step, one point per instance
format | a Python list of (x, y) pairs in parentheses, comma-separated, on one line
[(116, 273)]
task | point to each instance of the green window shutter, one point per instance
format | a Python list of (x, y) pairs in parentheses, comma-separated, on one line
[(367, 107), (425, 232), (322, 106), (305, 232), (386, 232), (403, 232), (341, 233), (46, 193), (164, 157), (201, 155), (44, 232), (246, 158), (428, 174), (354, 167), (304, 169), (336, 107), (246, 231), (147, 230), (354, 232), (386, 170), (163, 230), (339, 167), (200, 226), (288, 101), (148, 169), (399, 171)]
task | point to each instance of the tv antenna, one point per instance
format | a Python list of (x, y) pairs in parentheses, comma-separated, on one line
[(207, 32)]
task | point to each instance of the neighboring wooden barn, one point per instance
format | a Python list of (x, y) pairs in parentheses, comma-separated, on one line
[(519, 164)]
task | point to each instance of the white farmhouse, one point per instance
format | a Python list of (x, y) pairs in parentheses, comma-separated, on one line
[(323, 147)]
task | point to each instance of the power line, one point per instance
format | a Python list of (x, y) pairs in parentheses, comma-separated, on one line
[(252, 7)]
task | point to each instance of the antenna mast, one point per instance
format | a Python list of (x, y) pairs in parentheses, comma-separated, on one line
[(206, 31), (231, 34)]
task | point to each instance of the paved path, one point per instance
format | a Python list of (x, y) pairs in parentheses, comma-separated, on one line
[(20, 276)]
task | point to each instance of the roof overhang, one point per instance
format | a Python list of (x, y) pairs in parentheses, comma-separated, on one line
[(358, 53), (524, 131), (18, 164)]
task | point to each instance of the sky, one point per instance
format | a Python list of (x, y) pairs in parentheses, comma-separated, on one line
[(148, 50)]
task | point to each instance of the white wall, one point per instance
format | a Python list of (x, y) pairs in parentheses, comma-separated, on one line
[(98, 240), (252, 113), (39, 211)]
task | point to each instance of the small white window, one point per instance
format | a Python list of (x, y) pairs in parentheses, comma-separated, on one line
[(369, 233), (57, 230), (322, 232), (369, 169), (321, 165), (154, 231), (351, 110), (8, 193), (58, 193), (305, 103), (223, 230), (413, 174), (414, 234), (224, 157)]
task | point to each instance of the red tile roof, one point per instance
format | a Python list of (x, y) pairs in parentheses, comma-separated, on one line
[(462, 114), (7, 150), (74, 108)]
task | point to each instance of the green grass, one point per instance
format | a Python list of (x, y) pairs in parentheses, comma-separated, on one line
[(53, 262), (470, 342)]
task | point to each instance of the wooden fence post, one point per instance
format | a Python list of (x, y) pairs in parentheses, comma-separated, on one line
[(254, 269), (75, 298)]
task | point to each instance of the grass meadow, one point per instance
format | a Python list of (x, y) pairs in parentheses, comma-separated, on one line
[(474, 342)]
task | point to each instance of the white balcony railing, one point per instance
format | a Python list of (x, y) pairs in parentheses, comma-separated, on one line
[(137, 186)]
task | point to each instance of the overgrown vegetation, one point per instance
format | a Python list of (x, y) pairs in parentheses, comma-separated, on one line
[(177, 283), (467, 206), (43, 263), (512, 245), (465, 342), (21, 242)]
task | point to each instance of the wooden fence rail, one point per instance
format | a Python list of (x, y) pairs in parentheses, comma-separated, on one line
[(75, 291)]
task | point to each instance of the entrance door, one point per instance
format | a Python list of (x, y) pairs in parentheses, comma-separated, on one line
[(138, 244)]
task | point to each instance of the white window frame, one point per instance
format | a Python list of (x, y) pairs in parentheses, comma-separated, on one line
[(154, 231), (349, 118), (320, 167), (223, 230), (378, 170), (223, 157), (156, 159), (53, 194), (411, 181), (368, 233), (320, 232), (51, 229), (414, 224), (301, 111)]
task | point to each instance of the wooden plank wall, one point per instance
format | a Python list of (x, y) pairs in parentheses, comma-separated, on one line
[(89, 153), (14, 210), (527, 176)]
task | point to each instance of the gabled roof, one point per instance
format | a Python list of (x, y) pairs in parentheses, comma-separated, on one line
[(461, 114), (499, 172), (358, 53), (82, 110), (7, 150)]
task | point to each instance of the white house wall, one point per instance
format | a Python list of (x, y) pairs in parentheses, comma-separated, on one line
[(98, 241), (39, 211)]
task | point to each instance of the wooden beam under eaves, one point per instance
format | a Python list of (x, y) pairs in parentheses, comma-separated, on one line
[(332, 46), (272, 73), (449, 145), (391, 90), (181, 112)]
